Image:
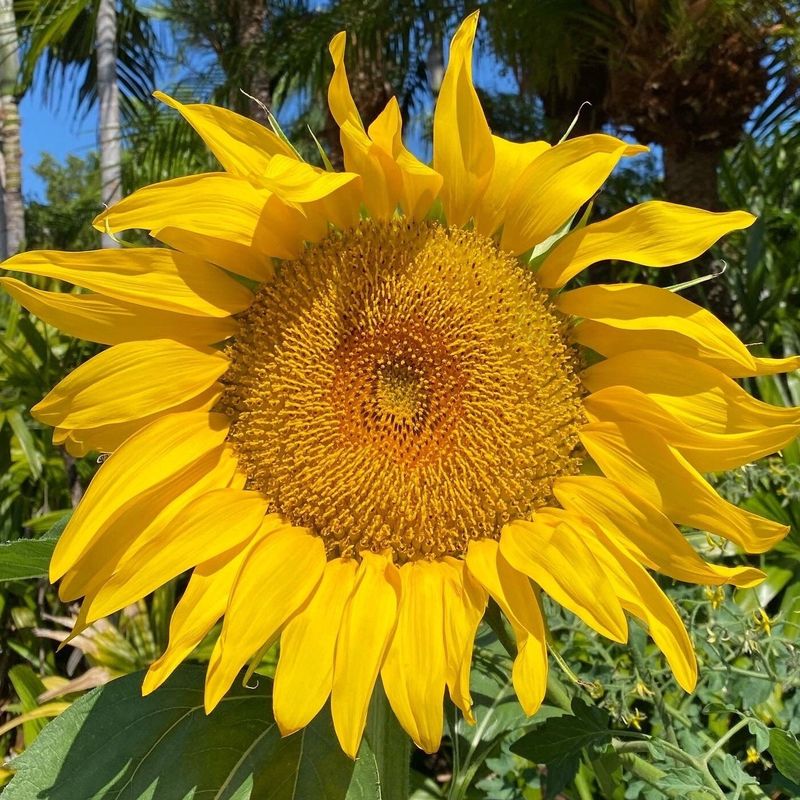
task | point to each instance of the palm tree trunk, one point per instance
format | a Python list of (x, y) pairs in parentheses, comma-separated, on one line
[(12, 215), (253, 15), (108, 94), (690, 176)]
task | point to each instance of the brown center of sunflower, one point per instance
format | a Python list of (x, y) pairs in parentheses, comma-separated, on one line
[(405, 387)]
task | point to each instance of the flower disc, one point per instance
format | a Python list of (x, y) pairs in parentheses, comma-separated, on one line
[(403, 386)]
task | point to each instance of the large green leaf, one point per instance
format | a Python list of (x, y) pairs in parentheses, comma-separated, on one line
[(25, 558), (114, 744), (785, 750), (558, 742), (587, 726), (29, 558)]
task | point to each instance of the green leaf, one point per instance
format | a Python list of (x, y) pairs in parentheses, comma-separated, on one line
[(760, 596), (785, 751), (26, 442), (25, 558), (29, 558), (560, 773), (559, 738), (114, 743), (761, 733), (28, 686)]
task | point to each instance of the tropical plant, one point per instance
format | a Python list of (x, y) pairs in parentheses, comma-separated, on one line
[(12, 221), (684, 74)]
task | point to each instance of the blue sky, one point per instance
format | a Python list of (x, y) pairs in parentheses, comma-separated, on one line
[(54, 130)]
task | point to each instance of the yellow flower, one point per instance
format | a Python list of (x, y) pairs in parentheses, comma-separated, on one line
[(715, 595), (753, 756), (387, 424), (762, 622), (636, 719)]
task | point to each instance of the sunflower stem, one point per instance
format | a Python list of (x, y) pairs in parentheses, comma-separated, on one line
[(390, 746), (497, 623)]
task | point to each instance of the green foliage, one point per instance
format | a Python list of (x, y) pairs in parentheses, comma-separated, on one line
[(25, 558), (763, 280), (237, 752), (60, 222), (558, 742), (499, 716), (38, 478)]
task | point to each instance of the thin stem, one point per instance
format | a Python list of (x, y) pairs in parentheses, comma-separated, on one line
[(658, 697), (646, 772), (582, 785), (720, 743), (497, 623), (678, 755), (565, 668)]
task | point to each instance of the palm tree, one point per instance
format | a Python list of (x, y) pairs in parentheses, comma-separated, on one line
[(108, 95), (684, 74), (234, 32), (12, 213), (110, 47)]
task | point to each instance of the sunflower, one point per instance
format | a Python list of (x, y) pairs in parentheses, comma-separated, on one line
[(358, 405)]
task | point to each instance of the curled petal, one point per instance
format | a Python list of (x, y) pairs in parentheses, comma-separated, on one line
[(654, 234)]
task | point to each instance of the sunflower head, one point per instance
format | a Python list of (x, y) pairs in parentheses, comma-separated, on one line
[(382, 394), (357, 405)]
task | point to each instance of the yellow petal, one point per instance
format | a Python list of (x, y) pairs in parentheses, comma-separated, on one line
[(304, 675), (166, 447), (419, 184), (706, 452), (557, 558), (640, 528), (391, 174), (241, 145), (512, 591), (295, 181), (654, 234), (364, 637), (215, 206), (511, 159), (108, 321), (695, 393), (237, 258), (629, 316), (556, 185), (108, 438), (463, 153), (127, 382), (464, 603), (144, 276), (208, 526), (147, 516), (413, 673), (381, 176), (340, 100), (641, 596), (382, 180), (277, 576), (342, 210), (638, 458), (200, 607)]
